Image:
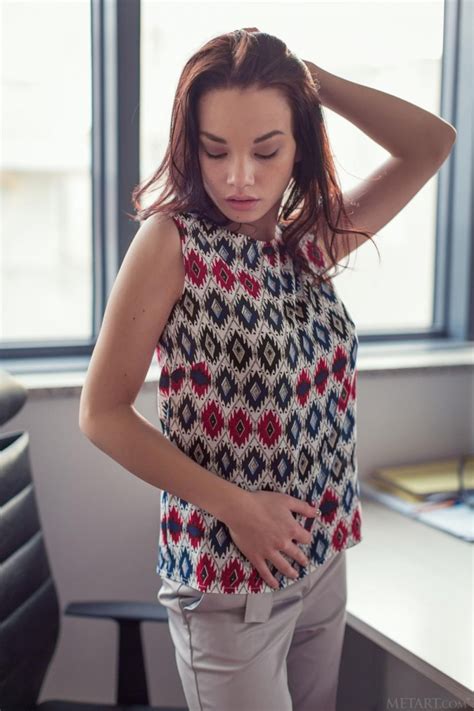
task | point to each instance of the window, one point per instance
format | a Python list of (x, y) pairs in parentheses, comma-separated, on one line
[(46, 262), (87, 91)]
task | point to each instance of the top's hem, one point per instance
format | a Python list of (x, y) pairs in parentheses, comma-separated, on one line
[(311, 568)]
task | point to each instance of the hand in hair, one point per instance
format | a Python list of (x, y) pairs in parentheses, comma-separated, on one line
[(313, 70)]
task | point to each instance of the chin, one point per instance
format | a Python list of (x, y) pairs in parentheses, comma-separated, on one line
[(247, 217)]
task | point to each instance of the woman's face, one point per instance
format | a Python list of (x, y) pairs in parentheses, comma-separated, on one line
[(230, 121)]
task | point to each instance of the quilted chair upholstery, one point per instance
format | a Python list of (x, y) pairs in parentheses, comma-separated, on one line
[(29, 610)]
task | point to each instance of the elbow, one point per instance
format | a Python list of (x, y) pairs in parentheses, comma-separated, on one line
[(85, 415), (447, 143), (91, 423), (85, 421), (84, 426), (90, 429)]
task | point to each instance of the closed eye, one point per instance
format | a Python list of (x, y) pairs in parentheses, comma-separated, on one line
[(222, 155)]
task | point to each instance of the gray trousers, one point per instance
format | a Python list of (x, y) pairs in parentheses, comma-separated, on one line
[(276, 651)]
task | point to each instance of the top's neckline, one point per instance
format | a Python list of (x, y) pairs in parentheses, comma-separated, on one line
[(275, 241)]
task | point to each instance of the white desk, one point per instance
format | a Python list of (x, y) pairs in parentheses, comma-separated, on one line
[(410, 590)]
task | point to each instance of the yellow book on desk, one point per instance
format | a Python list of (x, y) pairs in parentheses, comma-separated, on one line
[(418, 482), (456, 519), (387, 486)]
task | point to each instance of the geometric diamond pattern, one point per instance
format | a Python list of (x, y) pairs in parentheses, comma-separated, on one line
[(258, 386)]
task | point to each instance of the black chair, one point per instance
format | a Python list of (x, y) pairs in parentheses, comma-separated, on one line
[(29, 609)]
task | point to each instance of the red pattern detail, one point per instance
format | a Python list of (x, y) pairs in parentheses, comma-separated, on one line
[(269, 428), (224, 276), (195, 529), (232, 576), (205, 572), (240, 427), (321, 376), (250, 284), (212, 420), (200, 378), (177, 378), (328, 506), (339, 363), (303, 387), (195, 268), (175, 524), (356, 524), (339, 537)]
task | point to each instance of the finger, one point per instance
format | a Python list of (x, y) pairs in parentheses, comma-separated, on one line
[(302, 507), (283, 565), (265, 574), (301, 535), (297, 554)]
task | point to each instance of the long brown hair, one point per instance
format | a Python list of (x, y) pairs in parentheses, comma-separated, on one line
[(243, 59)]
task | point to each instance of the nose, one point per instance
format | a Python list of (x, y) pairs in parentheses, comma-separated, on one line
[(241, 174)]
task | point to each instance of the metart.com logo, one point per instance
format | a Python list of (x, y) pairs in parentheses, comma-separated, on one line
[(424, 702)]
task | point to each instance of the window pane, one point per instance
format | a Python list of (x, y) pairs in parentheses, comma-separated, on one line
[(396, 293), (46, 267)]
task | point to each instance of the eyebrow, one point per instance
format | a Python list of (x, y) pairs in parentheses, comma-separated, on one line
[(265, 137)]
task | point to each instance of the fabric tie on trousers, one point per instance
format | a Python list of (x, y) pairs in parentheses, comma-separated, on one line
[(258, 607)]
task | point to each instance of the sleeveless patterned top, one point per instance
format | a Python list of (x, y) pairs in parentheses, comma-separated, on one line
[(257, 385)]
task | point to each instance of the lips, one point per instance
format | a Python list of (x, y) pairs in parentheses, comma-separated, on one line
[(238, 205), (241, 198)]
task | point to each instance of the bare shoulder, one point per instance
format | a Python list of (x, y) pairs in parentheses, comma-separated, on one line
[(162, 238), (158, 218), (160, 224)]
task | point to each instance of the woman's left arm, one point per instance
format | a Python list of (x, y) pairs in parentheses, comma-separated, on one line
[(403, 129), (419, 143)]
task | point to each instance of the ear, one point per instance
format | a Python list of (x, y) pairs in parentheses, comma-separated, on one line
[(297, 155)]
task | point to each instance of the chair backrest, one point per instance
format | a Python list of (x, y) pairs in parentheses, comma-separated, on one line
[(29, 610)]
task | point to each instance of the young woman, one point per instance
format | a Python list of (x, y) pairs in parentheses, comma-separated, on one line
[(227, 281)]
